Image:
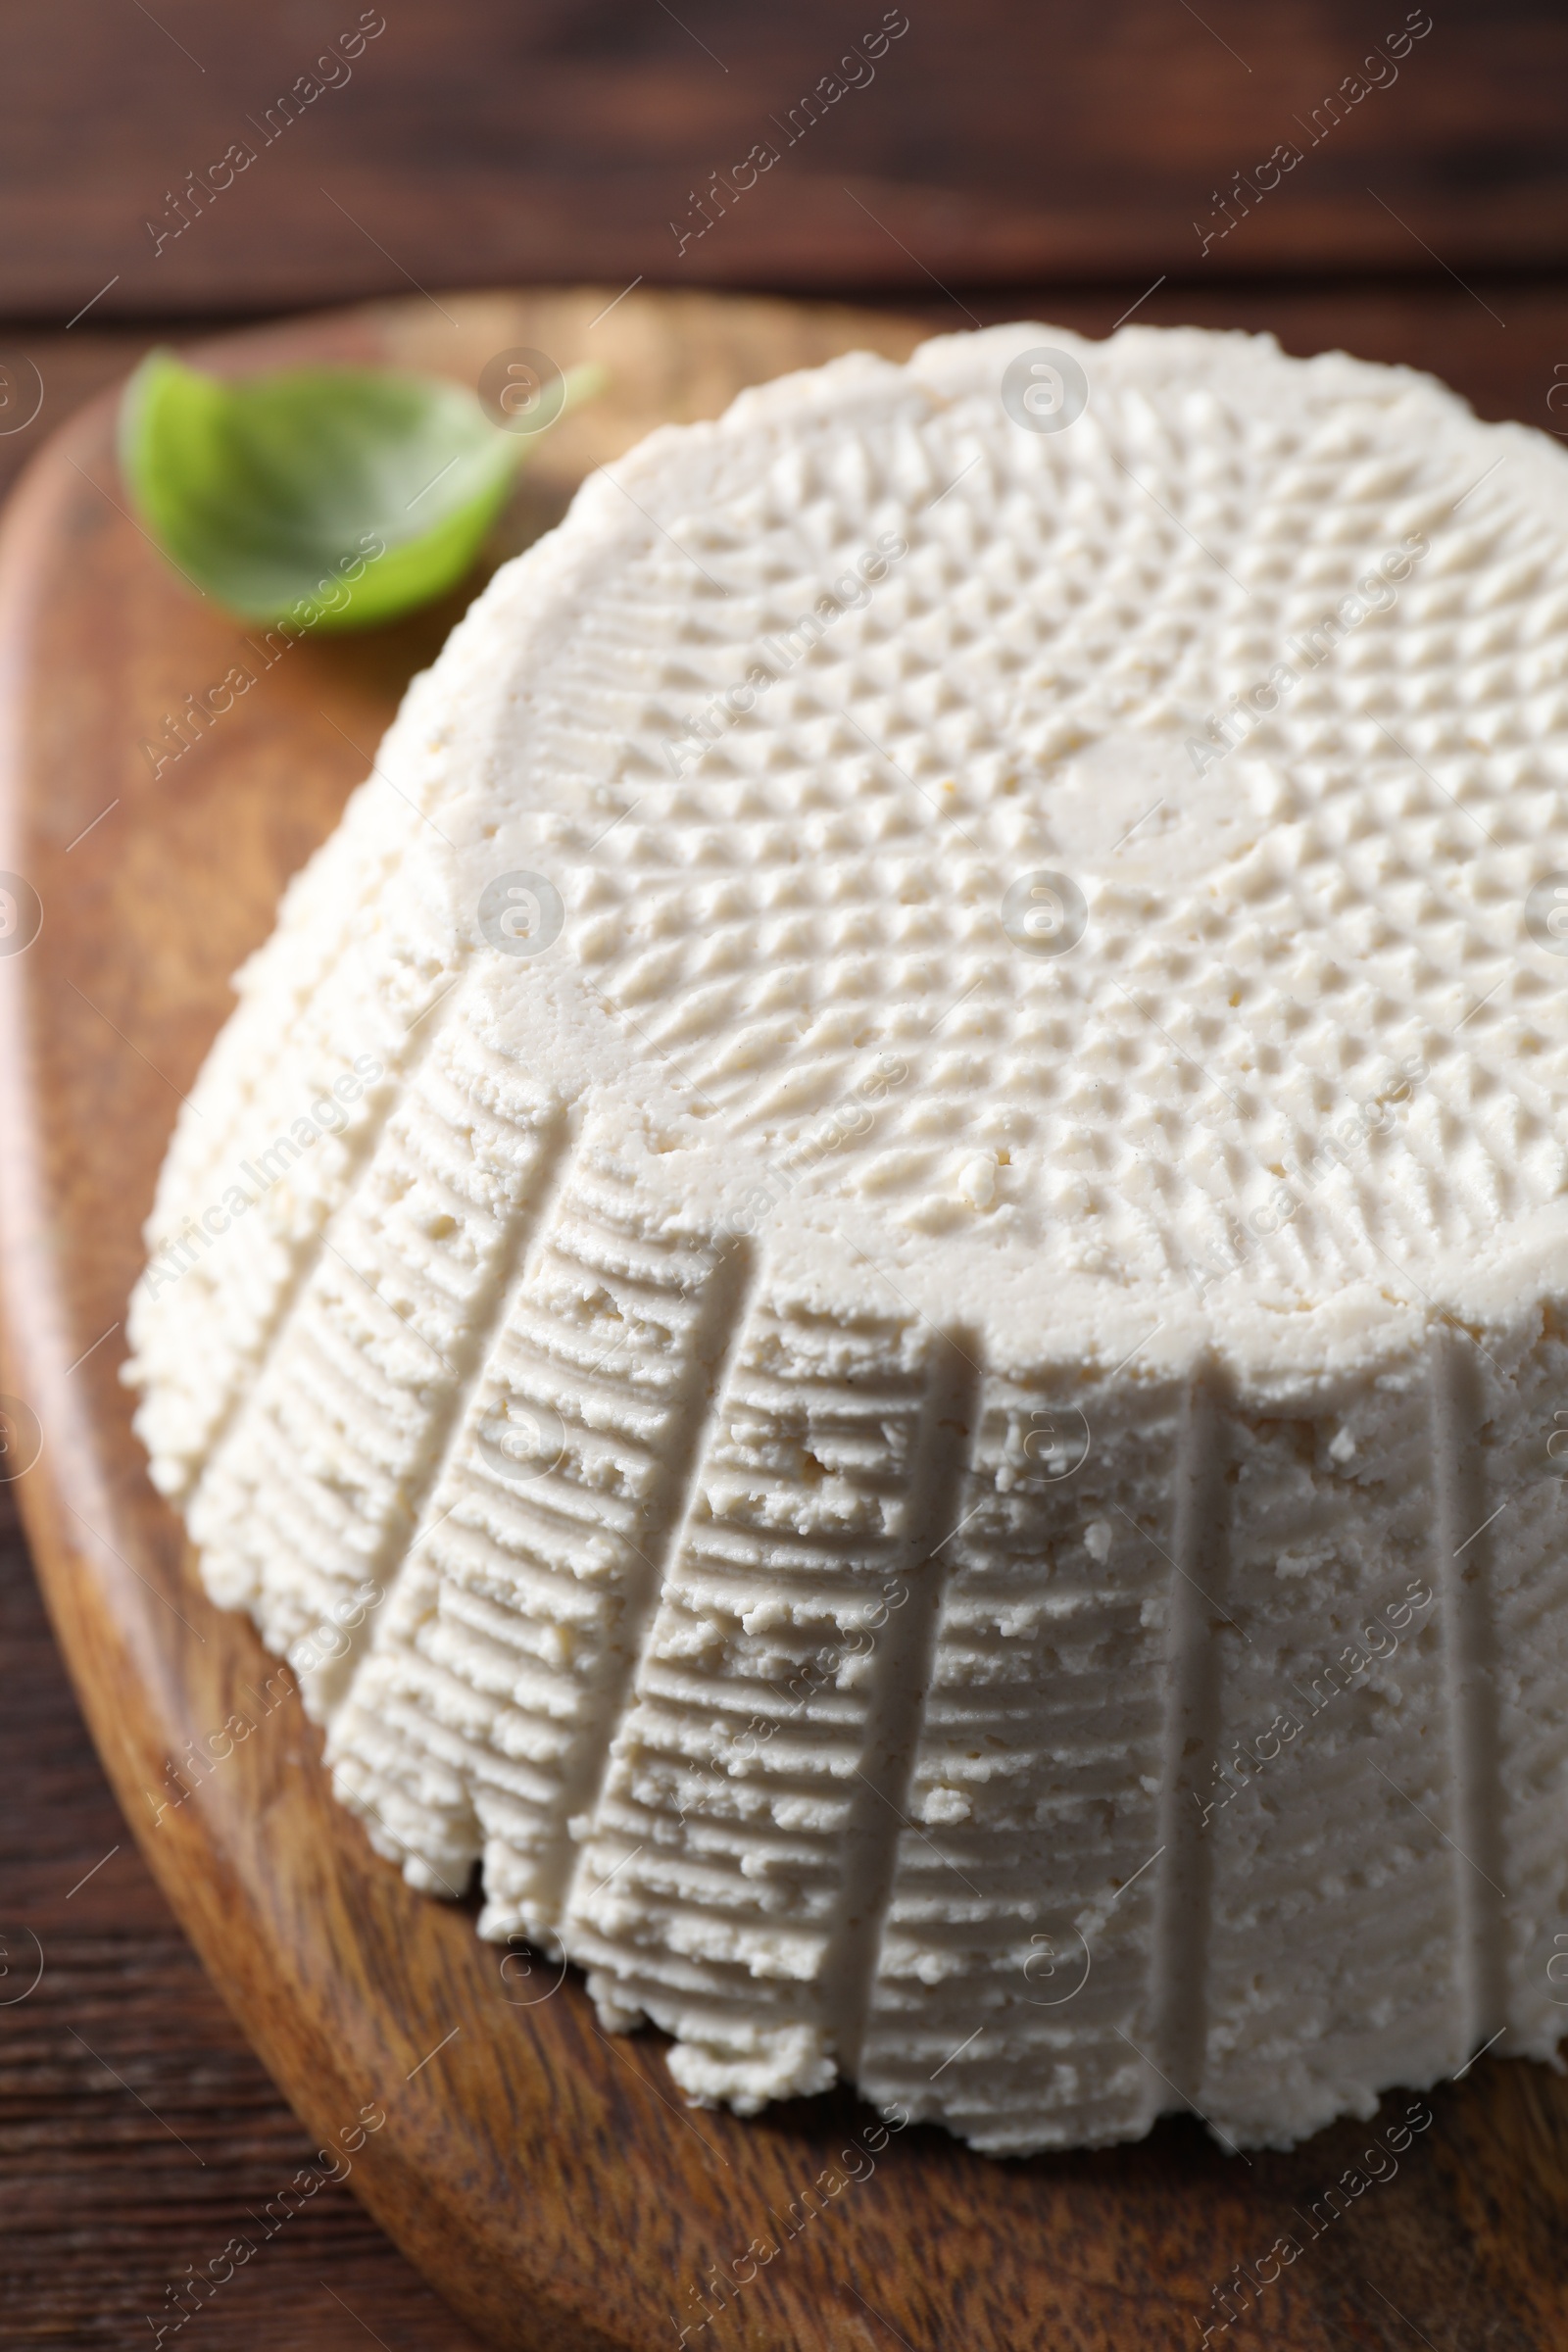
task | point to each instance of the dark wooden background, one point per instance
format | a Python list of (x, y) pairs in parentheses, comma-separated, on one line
[(1008, 158)]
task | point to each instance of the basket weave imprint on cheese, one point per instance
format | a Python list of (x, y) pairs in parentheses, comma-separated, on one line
[(889, 1320)]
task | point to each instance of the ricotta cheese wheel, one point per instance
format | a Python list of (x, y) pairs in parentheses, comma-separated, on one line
[(872, 1284)]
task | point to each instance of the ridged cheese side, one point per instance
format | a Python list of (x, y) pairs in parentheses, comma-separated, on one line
[(714, 1885), (480, 1722), (1016, 1979), (1334, 1941), (319, 1487)]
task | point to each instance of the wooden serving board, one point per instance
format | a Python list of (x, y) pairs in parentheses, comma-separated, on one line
[(546, 2179)]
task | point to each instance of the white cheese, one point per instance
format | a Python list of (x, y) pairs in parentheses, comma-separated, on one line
[(873, 1281)]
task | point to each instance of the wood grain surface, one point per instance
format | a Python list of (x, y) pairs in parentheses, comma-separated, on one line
[(138, 2132), (994, 143), (546, 2179)]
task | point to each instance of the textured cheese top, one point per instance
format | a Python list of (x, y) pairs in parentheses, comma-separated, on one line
[(935, 916)]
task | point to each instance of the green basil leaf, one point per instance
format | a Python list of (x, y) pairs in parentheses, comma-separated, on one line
[(336, 496)]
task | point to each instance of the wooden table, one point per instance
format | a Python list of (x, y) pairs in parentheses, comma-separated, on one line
[(136, 2127), (1006, 161)]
